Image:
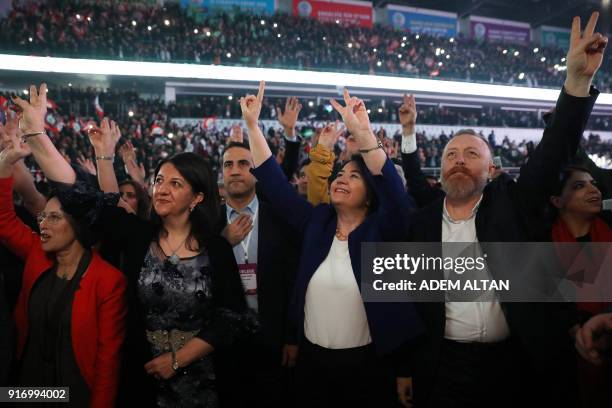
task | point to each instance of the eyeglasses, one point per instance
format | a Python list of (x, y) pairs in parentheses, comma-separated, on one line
[(52, 217)]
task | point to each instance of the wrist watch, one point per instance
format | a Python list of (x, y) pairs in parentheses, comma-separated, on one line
[(379, 145), (175, 364)]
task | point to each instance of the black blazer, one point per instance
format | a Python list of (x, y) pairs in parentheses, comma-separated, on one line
[(277, 262), (510, 211)]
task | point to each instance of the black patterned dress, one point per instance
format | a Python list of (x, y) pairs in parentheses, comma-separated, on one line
[(180, 296)]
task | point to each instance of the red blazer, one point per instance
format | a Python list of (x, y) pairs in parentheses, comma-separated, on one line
[(98, 309)]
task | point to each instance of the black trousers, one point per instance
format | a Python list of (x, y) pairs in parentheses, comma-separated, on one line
[(354, 377), (250, 375), (499, 375)]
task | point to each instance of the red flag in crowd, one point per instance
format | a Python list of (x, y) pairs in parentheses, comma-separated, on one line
[(208, 122), (3, 103), (51, 104), (156, 129)]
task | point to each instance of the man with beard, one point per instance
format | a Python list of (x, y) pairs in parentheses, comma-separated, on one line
[(267, 261), (481, 354)]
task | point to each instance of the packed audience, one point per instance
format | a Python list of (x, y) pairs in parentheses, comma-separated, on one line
[(121, 103), (157, 293), (140, 32), (146, 123)]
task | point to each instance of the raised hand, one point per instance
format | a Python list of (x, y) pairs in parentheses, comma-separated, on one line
[(354, 115), (127, 153), (251, 106), (357, 122), (142, 172), (87, 165), (13, 151), (408, 113), (104, 138), (32, 115), (236, 134), (289, 118), (584, 57), (329, 135), (8, 130)]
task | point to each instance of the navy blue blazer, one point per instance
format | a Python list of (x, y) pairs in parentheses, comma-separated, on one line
[(391, 324)]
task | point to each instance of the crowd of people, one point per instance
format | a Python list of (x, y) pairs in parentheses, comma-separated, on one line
[(166, 33), (147, 124), (138, 286), (123, 104)]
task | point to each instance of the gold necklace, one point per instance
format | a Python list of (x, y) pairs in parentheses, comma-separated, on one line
[(340, 235)]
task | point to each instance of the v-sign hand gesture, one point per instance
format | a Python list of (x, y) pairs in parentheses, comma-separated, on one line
[(354, 115), (584, 57)]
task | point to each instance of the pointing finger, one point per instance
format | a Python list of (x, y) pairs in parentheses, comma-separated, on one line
[(260, 93)]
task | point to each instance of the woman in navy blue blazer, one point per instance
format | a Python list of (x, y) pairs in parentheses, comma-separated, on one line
[(346, 345)]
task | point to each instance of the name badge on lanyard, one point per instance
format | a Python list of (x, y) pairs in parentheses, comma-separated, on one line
[(248, 275)]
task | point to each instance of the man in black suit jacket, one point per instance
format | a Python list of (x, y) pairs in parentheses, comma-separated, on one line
[(508, 354), (267, 259)]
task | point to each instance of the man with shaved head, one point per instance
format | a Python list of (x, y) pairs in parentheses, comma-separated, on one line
[(497, 354)]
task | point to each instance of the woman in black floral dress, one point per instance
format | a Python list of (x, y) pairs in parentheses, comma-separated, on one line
[(185, 294)]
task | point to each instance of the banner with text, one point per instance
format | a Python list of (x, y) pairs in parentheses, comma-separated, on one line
[(422, 21), (253, 6), (490, 29), (349, 12), (554, 37)]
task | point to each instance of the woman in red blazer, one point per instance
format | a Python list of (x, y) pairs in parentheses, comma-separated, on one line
[(71, 310)]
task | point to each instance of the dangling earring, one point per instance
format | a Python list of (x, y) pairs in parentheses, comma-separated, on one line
[(191, 208)]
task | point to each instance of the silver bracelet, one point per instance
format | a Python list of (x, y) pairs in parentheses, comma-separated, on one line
[(105, 157), (29, 135)]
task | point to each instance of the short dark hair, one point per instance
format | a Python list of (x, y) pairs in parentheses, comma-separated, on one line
[(371, 196), (83, 231), (233, 145)]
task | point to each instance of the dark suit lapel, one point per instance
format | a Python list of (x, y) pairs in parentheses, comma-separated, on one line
[(223, 220), (264, 229), (431, 219)]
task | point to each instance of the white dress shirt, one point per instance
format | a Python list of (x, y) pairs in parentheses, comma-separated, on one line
[(246, 250), (471, 321), (334, 314)]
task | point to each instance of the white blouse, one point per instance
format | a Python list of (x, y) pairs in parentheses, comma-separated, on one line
[(334, 314)]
